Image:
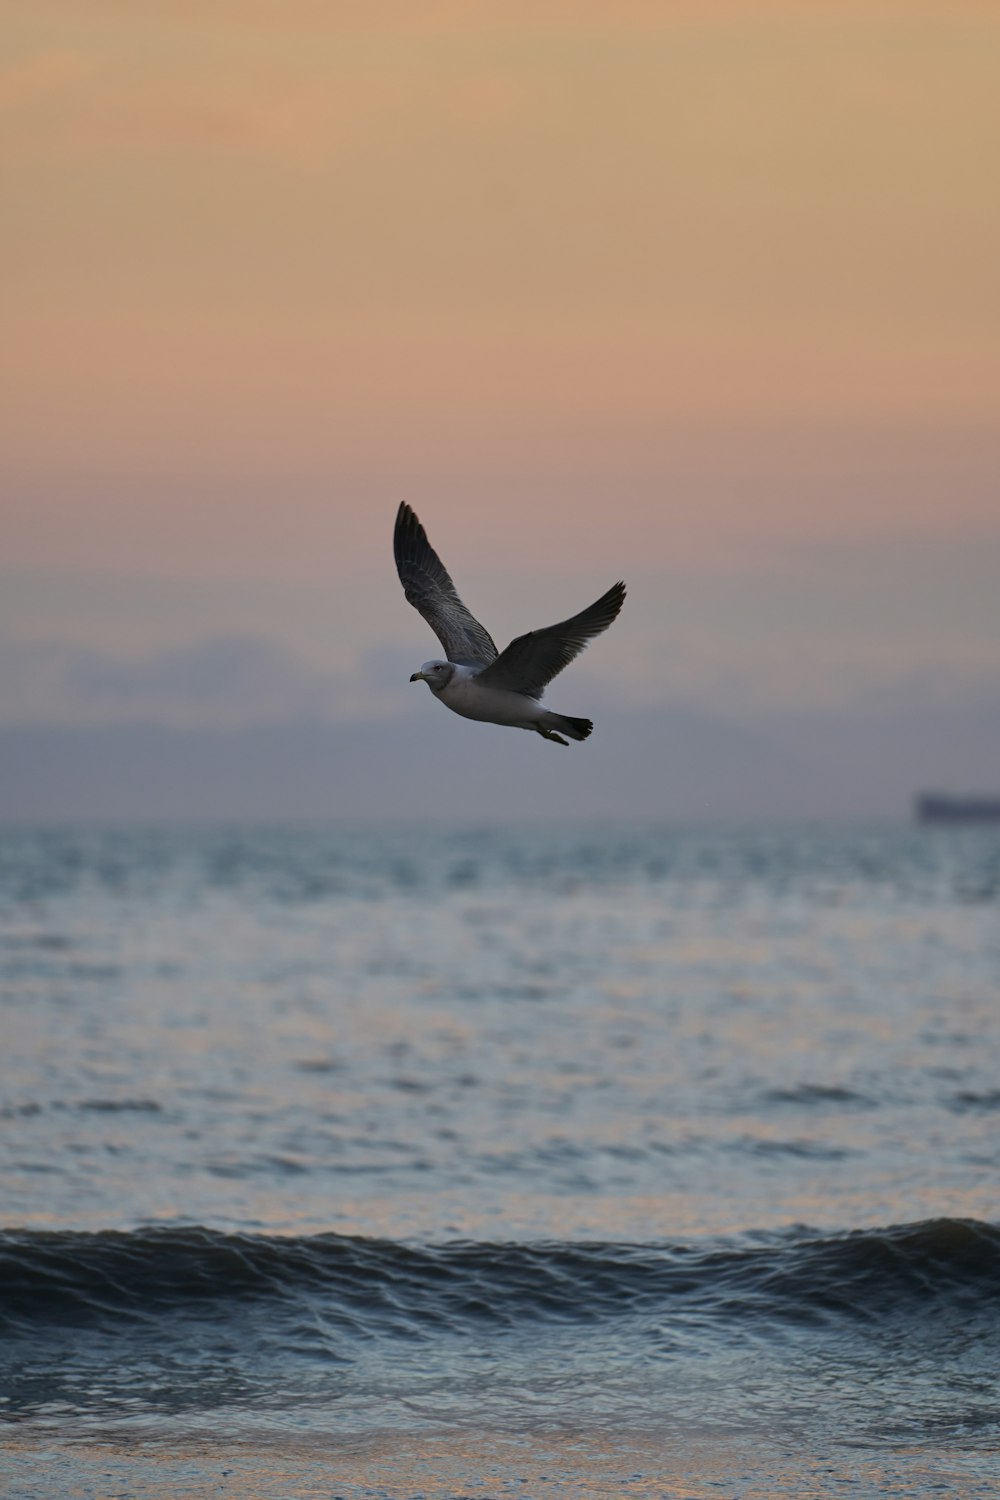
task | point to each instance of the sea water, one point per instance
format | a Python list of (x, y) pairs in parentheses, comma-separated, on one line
[(555, 1161)]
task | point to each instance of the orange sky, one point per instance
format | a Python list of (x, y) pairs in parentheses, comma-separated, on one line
[(709, 283)]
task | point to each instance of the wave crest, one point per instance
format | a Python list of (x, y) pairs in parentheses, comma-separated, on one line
[(378, 1287)]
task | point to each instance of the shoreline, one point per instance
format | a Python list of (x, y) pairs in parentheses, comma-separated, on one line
[(576, 1463)]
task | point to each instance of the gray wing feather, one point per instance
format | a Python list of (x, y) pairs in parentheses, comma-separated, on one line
[(428, 587), (531, 661)]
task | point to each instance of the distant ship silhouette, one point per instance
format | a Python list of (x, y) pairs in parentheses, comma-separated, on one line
[(942, 807)]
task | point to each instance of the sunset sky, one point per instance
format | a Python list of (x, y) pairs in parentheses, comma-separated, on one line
[(704, 295)]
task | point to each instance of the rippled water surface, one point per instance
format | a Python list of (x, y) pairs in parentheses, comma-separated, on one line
[(607, 1161)]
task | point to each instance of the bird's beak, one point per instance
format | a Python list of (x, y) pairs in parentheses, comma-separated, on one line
[(417, 677)]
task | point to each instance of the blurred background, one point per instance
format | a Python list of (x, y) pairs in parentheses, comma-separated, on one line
[(701, 295)]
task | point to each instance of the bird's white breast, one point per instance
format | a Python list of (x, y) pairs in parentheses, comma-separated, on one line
[(464, 695)]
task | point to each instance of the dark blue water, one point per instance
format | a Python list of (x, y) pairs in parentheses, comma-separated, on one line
[(578, 1161)]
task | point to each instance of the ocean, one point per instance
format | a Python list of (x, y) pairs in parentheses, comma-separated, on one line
[(549, 1162)]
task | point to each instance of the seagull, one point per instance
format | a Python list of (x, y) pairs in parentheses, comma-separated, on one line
[(476, 680)]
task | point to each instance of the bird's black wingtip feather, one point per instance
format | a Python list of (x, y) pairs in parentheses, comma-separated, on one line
[(613, 600), (406, 516), (408, 538)]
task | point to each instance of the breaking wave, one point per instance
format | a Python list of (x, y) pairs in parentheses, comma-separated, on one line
[(379, 1288)]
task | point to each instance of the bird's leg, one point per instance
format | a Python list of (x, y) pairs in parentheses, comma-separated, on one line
[(550, 734)]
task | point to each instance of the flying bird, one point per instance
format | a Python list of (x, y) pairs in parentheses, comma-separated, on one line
[(476, 680)]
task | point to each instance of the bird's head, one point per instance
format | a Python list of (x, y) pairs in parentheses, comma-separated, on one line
[(436, 674)]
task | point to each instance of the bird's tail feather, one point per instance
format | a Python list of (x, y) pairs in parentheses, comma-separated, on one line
[(576, 729)]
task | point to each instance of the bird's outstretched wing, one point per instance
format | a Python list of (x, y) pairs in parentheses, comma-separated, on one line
[(531, 661), (428, 587)]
